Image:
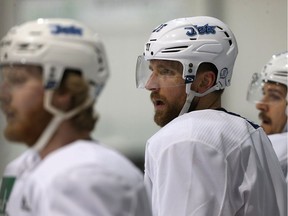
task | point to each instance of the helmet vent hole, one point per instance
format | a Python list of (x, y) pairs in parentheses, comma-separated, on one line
[(281, 73), (29, 46), (23, 46), (5, 43), (35, 33), (174, 49), (230, 41)]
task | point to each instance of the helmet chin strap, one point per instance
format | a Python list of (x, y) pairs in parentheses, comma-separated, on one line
[(190, 96), (189, 99), (285, 128), (58, 117), (286, 111)]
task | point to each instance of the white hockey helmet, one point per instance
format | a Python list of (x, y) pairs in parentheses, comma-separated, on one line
[(57, 45), (276, 70), (191, 41)]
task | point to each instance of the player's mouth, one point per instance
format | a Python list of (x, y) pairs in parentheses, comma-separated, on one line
[(9, 114), (158, 102), (265, 119)]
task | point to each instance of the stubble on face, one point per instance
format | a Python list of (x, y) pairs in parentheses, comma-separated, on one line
[(273, 123), (27, 128), (167, 90), (266, 122), (171, 111), (25, 115), (272, 110)]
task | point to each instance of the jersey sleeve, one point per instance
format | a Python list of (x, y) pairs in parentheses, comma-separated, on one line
[(90, 193)]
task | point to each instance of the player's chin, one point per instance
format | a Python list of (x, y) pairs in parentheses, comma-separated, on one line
[(12, 133), (161, 118), (267, 127), (15, 132)]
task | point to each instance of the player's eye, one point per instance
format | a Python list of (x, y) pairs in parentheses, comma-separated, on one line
[(166, 72)]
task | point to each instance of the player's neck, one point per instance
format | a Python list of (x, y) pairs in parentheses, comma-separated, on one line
[(210, 101), (63, 136)]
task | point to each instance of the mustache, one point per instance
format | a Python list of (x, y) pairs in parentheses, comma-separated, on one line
[(156, 96), (264, 117), (5, 104)]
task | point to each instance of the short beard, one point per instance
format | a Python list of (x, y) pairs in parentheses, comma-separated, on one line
[(161, 118), (29, 129)]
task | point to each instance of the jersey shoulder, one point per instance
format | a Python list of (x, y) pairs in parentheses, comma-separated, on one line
[(215, 129), (23, 162), (85, 155)]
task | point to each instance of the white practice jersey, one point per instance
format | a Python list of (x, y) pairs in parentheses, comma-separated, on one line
[(83, 178), (213, 163), (280, 143)]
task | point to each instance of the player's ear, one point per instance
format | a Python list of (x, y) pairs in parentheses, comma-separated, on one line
[(62, 101), (205, 81)]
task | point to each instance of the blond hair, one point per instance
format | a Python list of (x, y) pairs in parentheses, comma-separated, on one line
[(74, 84)]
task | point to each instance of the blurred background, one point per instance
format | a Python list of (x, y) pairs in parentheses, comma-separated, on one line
[(126, 113)]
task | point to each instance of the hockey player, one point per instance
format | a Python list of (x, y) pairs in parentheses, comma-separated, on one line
[(204, 161), (268, 90), (52, 73)]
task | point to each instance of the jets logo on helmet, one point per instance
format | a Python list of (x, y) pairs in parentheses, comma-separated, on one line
[(72, 30), (206, 29)]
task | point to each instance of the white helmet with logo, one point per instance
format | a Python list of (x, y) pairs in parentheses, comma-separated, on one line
[(192, 41), (57, 45), (276, 70)]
